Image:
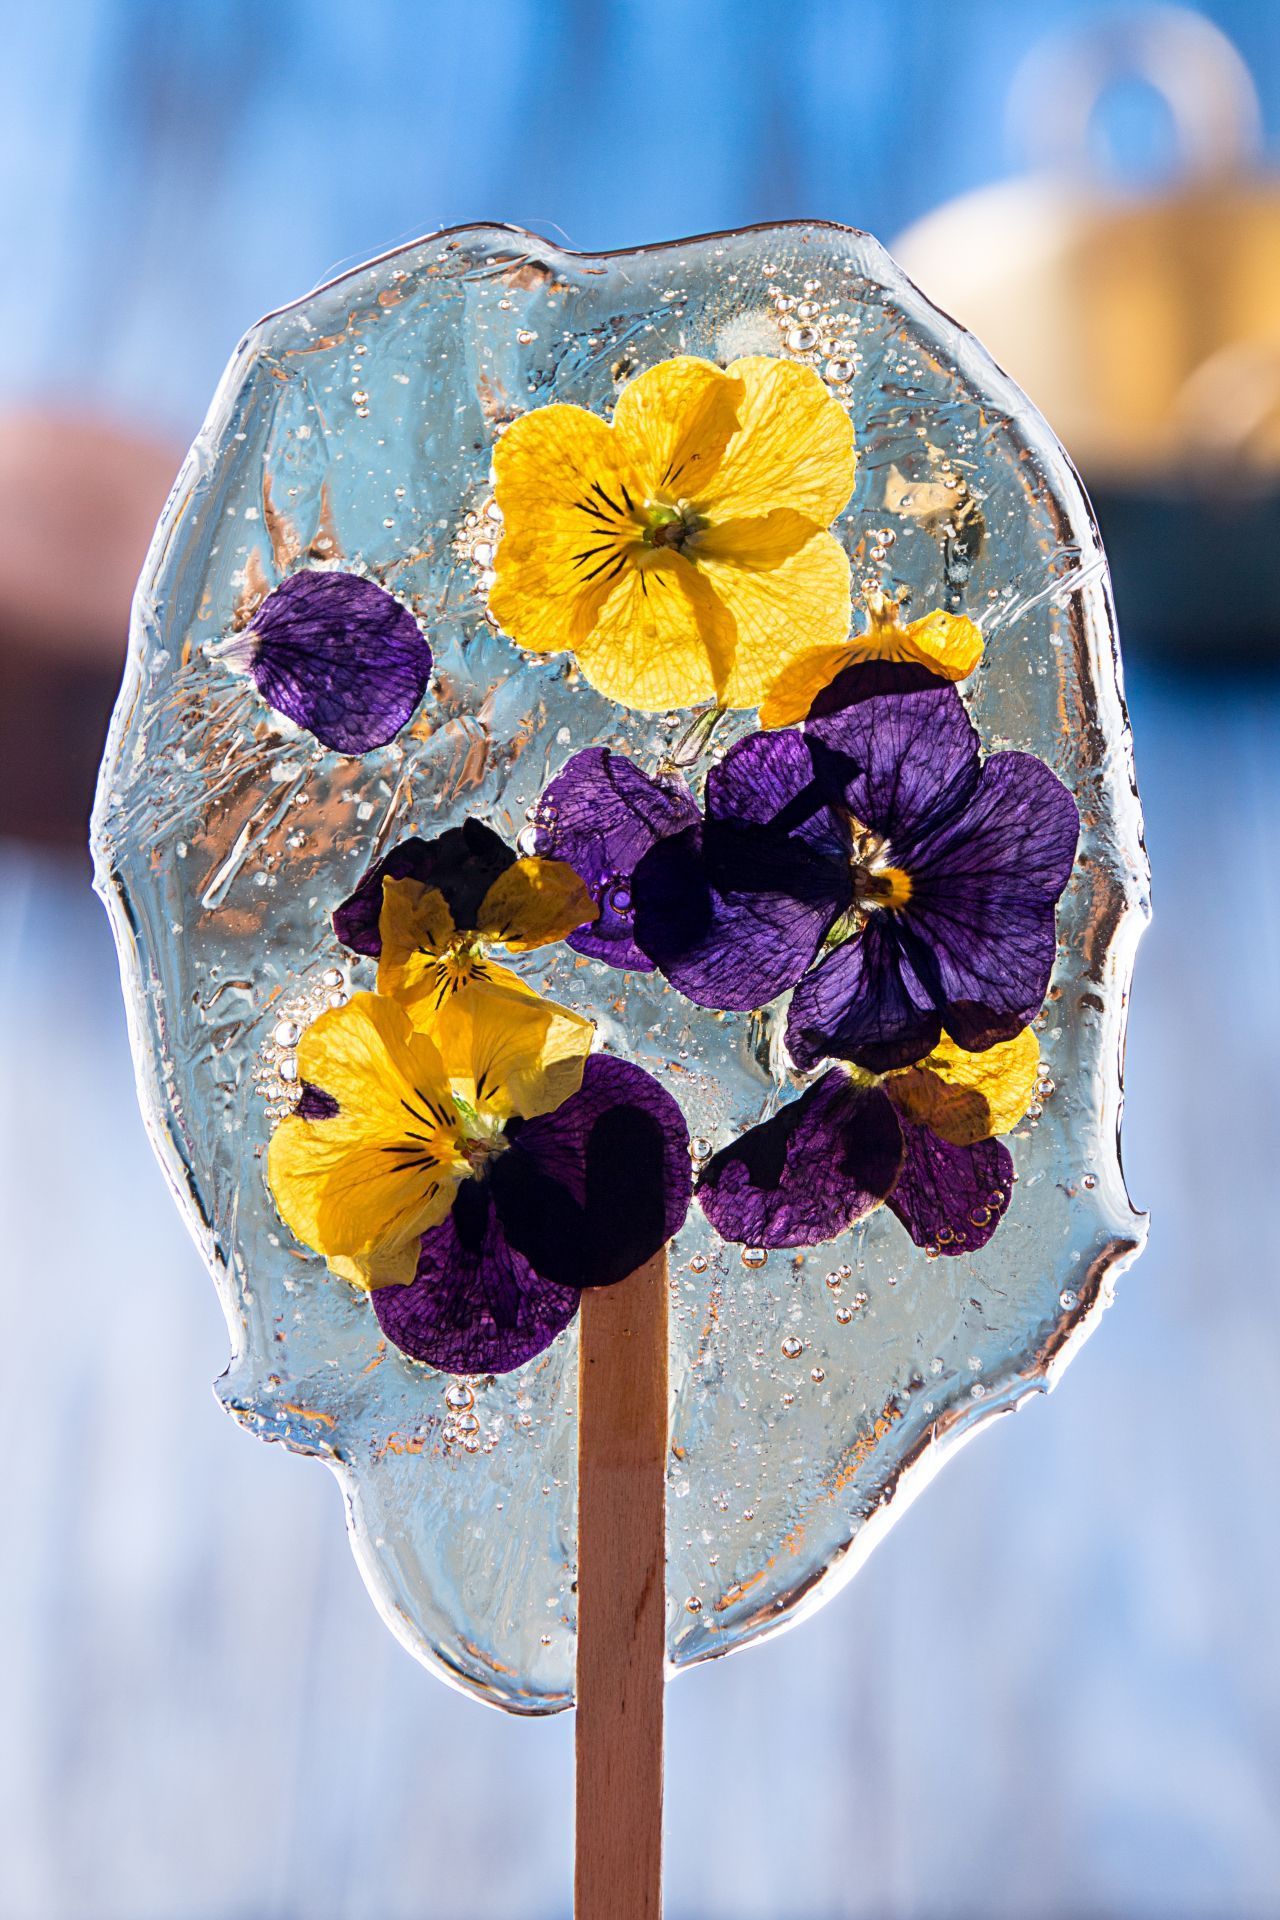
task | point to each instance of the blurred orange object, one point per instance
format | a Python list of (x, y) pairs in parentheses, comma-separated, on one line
[(1145, 326), (79, 500)]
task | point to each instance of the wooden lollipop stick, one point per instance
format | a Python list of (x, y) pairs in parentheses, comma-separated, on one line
[(622, 1461)]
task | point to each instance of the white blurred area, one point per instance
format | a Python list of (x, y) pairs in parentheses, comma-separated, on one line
[(1055, 1689)]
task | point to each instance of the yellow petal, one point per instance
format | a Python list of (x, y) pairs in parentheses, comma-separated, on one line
[(388, 1267), (423, 960), (798, 686), (425, 984), (763, 542), (779, 613), (510, 1053), (563, 485), (794, 447), (368, 1182), (674, 422), (663, 639), (533, 903), (948, 644), (414, 919), (967, 1097)]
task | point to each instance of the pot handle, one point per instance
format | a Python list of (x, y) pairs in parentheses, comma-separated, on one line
[(1198, 72)]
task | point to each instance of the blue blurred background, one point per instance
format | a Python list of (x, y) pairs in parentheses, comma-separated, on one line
[(1055, 1690)]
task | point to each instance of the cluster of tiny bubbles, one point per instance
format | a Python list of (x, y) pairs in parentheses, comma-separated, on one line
[(462, 1430), (476, 541), (816, 334), (275, 1071)]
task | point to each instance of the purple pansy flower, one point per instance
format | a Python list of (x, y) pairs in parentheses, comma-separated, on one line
[(841, 1149), (338, 655), (578, 1197), (878, 832), (462, 863), (601, 814)]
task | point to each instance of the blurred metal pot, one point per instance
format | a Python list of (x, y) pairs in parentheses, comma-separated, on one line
[(1146, 327)]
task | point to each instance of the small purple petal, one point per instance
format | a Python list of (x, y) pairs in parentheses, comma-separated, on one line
[(475, 1305), (339, 656), (951, 1198), (315, 1104), (805, 1175), (734, 913), (462, 863), (591, 1191), (872, 1000), (601, 815), (899, 761), (984, 889)]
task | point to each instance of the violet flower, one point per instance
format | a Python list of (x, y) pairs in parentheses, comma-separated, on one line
[(877, 842), (578, 1197), (839, 1150)]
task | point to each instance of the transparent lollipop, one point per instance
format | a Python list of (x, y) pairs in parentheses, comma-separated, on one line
[(770, 826)]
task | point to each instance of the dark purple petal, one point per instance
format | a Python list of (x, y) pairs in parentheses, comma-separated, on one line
[(900, 761), (339, 656), (462, 863), (589, 1192), (734, 913), (805, 1175), (736, 949), (601, 814), (984, 889), (314, 1103), (475, 1305), (951, 1198), (873, 1000), (869, 677)]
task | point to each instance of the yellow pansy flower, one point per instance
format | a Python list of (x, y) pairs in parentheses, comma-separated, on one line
[(425, 956), (948, 644), (397, 1111), (683, 553), (967, 1097)]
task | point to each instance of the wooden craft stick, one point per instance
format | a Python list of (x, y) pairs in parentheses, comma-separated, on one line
[(622, 1462)]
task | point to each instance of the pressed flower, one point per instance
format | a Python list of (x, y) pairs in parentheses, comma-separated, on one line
[(476, 1171), (431, 909), (394, 1116), (581, 1197), (337, 654), (877, 842), (854, 1140), (601, 814), (682, 553), (948, 644)]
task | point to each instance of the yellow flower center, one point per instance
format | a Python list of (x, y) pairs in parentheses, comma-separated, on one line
[(876, 882), (881, 886)]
